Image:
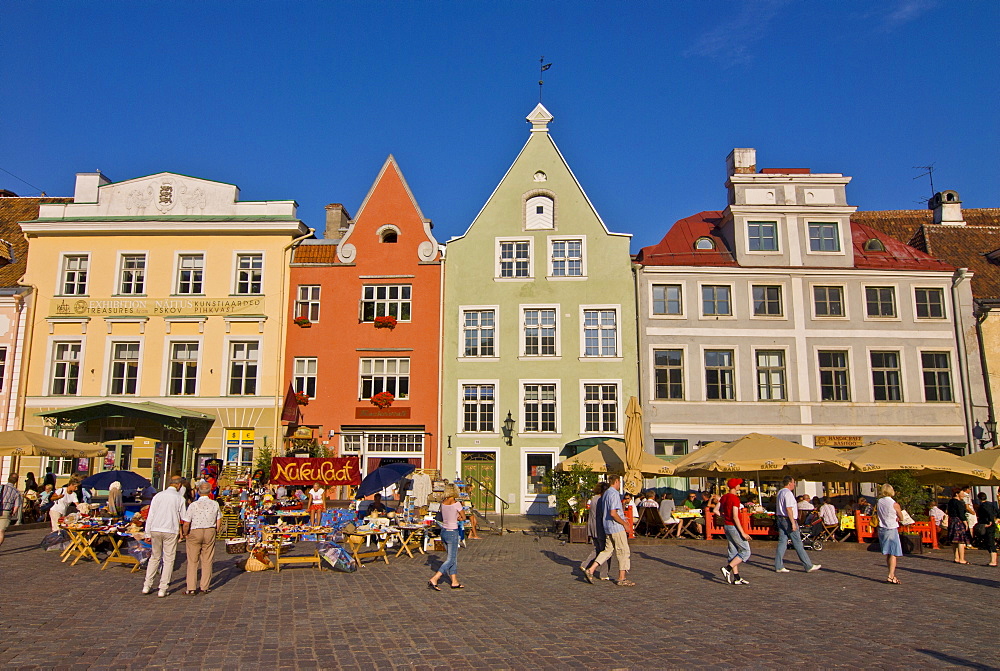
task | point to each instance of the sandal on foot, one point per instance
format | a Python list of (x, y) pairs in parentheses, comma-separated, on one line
[(589, 577), (458, 586), (191, 592), (432, 586), (893, 580), (961, 562), (625, 583)]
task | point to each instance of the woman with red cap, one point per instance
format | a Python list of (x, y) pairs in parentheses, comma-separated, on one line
[(737, 538)]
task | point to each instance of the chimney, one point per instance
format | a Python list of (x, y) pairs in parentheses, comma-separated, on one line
[(947, 208), (741, 162), (87, 184), (337, 221)]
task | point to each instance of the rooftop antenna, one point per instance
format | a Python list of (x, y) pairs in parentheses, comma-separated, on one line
[(929, 172), (542, 67)]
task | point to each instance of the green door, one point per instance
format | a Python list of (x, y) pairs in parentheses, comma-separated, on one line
[(483, 467)]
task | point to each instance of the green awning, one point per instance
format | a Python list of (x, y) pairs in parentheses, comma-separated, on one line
[(575, 447), (140, 410)]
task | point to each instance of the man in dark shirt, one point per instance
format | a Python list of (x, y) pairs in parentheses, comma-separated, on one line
[(986, 516)]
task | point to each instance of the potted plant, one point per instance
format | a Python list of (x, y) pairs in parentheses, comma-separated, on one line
[(383, 399), (386, 322), (762, 520), (302, 398), (302, 321), (572, 489)]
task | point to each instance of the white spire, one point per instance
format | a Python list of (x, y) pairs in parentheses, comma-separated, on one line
[(539, 119)]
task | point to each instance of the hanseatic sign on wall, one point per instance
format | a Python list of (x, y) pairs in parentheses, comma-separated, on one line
[(144, 307)]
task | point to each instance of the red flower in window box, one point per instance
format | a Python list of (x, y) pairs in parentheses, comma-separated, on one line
[(383, 399), (302, 398), (387, 322), (303, 322)]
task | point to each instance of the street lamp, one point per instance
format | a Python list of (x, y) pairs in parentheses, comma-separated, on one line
[(508, 429), (991, 427)]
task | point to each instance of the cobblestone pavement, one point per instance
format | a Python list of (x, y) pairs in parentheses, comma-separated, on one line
[(525, 606)]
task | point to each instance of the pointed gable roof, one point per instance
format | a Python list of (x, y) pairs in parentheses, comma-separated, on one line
[(390, 203)]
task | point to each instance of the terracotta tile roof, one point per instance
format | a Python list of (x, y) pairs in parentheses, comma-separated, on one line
[(677, 246), (896, 255), (13, 210), (322, 253), (959, 246)]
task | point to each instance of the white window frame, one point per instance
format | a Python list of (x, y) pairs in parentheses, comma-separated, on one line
[(522, 335), (531, 258), (309, 303), (54, 341), (782, 292), (895, 301), (843, 295), (109, 353), (304, 377), (409, 375), (785, 366), (386, 302), (199, 362), (903, 390), (497, 419), (176, 281), (944, 303), (61, 273), (120, 272), (841, 241), (526, 496), (732, 301), (229, 341), (681, 285), (703, 367), (462, 309), (619, 419), (617, 356), (558, 408), (239, 254), (777, 237), (582, 239)]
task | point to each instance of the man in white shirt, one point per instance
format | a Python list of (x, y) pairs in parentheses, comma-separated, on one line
[(163, 524), (786, 519), (202, 521), (804, 504)]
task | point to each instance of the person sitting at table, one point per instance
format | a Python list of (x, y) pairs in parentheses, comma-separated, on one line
[(940, 522), (376, 507), (316, 504), (650, 500), (43, 499), (804, 504), (828, 516), (667, 508), (863, 507), (280, 492), (692, 503)]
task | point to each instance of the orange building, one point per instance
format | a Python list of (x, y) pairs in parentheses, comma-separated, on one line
[(382, 266)]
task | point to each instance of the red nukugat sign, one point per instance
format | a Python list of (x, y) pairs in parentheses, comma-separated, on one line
[(326, 471)]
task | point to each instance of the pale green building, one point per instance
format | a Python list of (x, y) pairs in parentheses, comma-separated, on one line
[(539, 326)]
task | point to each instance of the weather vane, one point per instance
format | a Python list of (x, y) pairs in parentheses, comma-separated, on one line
[(542, 67)]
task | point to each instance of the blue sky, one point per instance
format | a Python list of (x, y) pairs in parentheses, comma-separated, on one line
[(304, 100)]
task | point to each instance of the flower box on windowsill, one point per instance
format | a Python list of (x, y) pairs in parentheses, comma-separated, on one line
[(382, 399), (302, 399), (387, 322), (302, 322)]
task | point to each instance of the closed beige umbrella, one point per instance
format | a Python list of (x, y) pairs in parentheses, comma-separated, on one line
[(767, 455), (28, 444), (874, 461), (609, 457), (632, 482)]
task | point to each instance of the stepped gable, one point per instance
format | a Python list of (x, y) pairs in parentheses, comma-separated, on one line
[(12, 211)]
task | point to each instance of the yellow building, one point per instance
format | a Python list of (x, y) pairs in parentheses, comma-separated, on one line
[(159, 324)]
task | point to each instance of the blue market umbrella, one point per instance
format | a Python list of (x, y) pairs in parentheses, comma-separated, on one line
[(103, 480), (382, 477)]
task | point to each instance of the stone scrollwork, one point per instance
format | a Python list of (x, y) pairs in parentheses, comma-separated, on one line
[(347, 252), (427, 250)]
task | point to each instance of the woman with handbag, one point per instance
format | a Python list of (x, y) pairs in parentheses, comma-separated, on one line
[(958, 528), (451, 514), (889, 516)]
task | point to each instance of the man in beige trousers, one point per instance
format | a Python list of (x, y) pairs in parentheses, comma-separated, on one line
[(201, 522)]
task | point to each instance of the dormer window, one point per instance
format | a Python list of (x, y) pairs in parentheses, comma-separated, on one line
[(874, 245), (539, 213), (388, 234), (704, 243)]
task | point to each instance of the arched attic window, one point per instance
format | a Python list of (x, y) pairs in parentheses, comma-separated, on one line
[(874, 245), (388, 234), (704, 243), (539, 213)]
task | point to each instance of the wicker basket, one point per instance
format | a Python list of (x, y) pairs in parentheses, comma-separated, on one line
[(258, 561), (236, 546)]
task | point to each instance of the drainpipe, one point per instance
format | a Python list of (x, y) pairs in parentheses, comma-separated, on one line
[(981, 313), (957, 279), (282, 332)]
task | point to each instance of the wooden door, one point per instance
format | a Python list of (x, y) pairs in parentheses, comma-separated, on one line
[(483, 467)]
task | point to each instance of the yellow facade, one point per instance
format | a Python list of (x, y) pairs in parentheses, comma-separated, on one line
[(167, 292)]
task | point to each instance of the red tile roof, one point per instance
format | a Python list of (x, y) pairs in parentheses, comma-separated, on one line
[(326, 253), (677, 248), (12, 211)]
